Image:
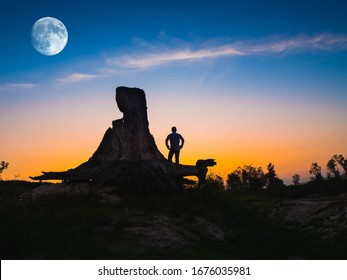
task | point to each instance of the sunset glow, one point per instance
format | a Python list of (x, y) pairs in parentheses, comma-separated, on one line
[(244, 83)]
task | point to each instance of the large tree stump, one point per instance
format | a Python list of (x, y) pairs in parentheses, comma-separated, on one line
[(128, 153)]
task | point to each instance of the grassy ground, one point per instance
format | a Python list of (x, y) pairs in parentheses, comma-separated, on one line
[(185, 224)]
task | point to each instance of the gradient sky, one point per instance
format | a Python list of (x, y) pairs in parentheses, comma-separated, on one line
[(245, 82)]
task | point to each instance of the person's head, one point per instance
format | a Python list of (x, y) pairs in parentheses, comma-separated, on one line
[(174, 129)]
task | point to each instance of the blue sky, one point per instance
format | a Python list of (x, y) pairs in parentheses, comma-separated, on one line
[(242, 70), (96, 26)]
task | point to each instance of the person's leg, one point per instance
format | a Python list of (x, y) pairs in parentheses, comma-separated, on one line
[(177, 157), (171, 153)]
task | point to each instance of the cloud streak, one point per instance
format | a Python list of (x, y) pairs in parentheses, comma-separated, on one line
[(77, 77), (16, 86), (151, 60), (156, 57), (160, 54), (303, 43)]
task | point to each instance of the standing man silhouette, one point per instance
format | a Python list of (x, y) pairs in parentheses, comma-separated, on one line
[(175, 145)]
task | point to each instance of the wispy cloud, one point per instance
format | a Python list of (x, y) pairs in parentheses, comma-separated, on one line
[(303, 43), (77, 77), (13, 87), (149, 60), (146, 55), (16, 85), (155, 56)]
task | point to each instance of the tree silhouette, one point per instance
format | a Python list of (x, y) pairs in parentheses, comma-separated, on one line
[(316, 171), (3, 166), (233, 180), (342, 162), (214, 182), (333, 170), (271, 177), (246, 176), (296, 179), (271, 174)]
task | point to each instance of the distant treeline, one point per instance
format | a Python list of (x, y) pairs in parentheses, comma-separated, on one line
[(249, 176), (252, 177)]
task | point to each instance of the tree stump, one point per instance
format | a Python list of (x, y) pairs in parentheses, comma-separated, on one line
[(128, 154)]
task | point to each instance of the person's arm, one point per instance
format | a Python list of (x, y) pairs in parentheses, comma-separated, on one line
[(182, 142), (167, 143)]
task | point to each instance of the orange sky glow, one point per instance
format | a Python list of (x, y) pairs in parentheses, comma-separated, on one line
[(57, 136)]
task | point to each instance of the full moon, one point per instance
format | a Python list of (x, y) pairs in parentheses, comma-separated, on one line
[(49, 36)]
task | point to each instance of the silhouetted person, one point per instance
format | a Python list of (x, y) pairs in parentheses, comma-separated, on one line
[(175, 145)]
